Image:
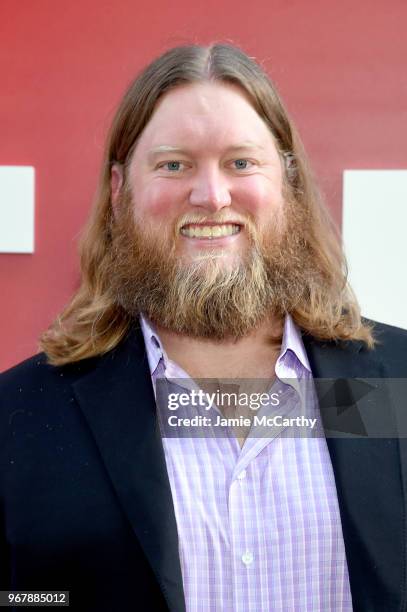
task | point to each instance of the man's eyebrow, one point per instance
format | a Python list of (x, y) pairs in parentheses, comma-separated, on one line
[(255, 146), (165, 149), (245, 146), (181, 151)]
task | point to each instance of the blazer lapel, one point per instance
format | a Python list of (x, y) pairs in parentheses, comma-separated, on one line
[(368, 481), (118, 402)]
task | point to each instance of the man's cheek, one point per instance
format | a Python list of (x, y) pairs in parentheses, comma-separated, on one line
[(161, 199), (260, 194)]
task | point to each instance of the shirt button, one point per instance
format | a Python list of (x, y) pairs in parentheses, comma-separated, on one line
[(242, 475), (247, 558)]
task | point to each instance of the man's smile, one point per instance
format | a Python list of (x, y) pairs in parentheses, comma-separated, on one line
[(211, 231)]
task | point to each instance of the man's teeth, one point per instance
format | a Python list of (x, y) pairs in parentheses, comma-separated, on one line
[(210, 231)]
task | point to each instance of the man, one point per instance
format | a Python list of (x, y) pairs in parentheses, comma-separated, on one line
[(208, 257)]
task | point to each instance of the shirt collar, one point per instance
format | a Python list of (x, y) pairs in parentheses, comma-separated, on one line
[(154, 348), (292, 347), (292, 343)]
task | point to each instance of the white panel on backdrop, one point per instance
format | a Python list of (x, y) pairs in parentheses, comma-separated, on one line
[(16, 209), (375, 240)]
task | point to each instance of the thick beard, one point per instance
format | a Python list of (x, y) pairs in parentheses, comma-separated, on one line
[(206, 297)]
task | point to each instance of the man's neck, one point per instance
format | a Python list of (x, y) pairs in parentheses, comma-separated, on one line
[(252, 356)]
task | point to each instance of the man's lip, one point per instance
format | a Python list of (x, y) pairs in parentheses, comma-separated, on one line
[(211, 224)]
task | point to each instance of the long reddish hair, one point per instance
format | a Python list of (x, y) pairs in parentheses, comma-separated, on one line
[(93, 323)]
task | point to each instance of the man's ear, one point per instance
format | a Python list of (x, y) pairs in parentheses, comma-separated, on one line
[(116, 183)]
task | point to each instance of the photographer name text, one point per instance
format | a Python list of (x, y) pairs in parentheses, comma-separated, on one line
[(241, 421)]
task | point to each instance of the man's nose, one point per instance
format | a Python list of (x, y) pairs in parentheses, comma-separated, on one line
[(210, 190)]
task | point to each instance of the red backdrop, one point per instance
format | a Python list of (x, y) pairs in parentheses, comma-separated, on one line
[(340, 67)]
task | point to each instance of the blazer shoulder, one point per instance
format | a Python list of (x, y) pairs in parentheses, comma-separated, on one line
[(389, 335), (36, 376), (29, 372), (36, 391), (26, 372), (36, 373), (391, 348)]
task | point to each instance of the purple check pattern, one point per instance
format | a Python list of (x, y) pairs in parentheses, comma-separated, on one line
[(259, 526)]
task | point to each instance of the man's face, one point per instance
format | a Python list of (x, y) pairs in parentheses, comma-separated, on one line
[(200, 248), (206, 165)]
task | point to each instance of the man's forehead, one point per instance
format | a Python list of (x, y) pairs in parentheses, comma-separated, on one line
[(181, 125), (198, 106)]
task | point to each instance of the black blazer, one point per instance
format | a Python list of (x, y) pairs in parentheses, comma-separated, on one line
[(85, 500)]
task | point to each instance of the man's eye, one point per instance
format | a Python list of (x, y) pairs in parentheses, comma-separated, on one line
[(241, 164), (172, 166)]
